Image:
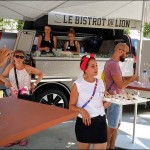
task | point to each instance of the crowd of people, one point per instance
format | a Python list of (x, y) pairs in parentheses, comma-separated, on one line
[(93, 124)]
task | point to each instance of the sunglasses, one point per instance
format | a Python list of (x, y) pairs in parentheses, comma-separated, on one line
[(17, 56)]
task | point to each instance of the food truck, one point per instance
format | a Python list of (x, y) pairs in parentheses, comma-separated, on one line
[(96, 35)]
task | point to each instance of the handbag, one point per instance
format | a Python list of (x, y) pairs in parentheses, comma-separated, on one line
[(92, 94), (22, 96)]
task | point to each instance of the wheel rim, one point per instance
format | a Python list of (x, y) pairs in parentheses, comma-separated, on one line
[(53, 99)]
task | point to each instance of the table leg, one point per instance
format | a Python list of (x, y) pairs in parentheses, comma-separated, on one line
[(134, 124)]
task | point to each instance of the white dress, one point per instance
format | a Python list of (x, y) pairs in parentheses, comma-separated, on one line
[(24, 79)]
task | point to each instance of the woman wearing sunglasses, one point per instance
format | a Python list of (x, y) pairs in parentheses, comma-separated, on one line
[(24, 79)]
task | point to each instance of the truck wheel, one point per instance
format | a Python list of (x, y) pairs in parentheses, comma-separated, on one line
[(53, 97), (148, 103)]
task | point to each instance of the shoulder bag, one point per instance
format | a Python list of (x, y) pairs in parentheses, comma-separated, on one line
[(22, 96), (92, 94)]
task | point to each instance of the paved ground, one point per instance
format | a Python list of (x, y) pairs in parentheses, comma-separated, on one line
[(62, 136)]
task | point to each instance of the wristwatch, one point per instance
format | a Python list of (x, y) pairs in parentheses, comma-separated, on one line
[(34, 84)]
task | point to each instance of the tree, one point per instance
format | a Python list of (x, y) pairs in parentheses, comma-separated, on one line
[(147, 30), (126, 31), (1, 23), (13, 24), (20, 24)]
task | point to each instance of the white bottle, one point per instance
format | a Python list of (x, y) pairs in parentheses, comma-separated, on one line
[(144, 78), (82, 50), (38, 52)]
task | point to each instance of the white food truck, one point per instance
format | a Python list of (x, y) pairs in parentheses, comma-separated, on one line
[(61, 71)]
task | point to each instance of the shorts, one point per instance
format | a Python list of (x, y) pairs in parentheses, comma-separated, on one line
[(114, 115), (95, 133)]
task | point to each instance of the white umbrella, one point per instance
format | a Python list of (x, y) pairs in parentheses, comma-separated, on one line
[(32, 10)]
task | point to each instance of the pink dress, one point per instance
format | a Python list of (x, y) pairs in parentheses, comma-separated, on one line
[(24, 79)]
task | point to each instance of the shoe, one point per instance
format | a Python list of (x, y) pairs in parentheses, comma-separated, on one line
[(11, 144), (23, 143)]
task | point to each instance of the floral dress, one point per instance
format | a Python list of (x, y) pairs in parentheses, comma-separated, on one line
[(24, 79)]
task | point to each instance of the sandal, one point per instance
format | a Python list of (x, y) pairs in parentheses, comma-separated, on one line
[(11, 144), (23, 143)]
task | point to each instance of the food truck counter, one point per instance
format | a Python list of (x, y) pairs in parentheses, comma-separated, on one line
[(64, 58), (70, 66)]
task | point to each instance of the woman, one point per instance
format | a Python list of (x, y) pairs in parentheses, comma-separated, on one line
[(24, 79), (87, 99), (46, 41), (72, 45)]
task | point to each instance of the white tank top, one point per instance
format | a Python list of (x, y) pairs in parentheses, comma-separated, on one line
[(85, 89), (24, 79)]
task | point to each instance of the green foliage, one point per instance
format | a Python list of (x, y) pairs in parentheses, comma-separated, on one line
[(147, 30), (1, 23), (11, 24), (126, 31), (20, 24)]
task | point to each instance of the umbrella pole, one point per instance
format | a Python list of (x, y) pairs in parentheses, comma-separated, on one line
[(139, 66), (141, 40)]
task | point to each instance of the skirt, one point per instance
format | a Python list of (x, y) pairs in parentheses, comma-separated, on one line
[(95, 133)]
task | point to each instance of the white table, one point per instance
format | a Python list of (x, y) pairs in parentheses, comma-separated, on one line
[(139, 88), (122, 101)]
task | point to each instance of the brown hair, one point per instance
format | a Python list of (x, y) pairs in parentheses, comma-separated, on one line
[(82, 60), (72, 31), (47, 25), (19, 51)]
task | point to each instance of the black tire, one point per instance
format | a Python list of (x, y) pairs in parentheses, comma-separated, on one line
[(53, 97), (148, 103)]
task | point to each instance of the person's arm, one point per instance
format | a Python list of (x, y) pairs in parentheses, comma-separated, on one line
[(35, 71), (72, 105), (5, 74), (123, 83), (55, 41), (73, 99), (126, 77), (106, 104), (65, 46), (78, 47), (5, 54)]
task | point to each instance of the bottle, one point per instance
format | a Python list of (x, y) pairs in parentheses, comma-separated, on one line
[(38, 52), (82, 50), (144, 78)]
